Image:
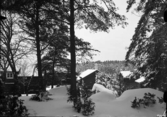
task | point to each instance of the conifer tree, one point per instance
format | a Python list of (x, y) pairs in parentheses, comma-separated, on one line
[(148, 46)]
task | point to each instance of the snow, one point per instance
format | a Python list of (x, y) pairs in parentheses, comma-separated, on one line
[(141, 79), (106, 105), (125, 74), (103, 93), (101, 88), (86, 73), (139, 93), (49, 87)]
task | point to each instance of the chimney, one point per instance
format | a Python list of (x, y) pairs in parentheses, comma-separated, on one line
[(96, 66)]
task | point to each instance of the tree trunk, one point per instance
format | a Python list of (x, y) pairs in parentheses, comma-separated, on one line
[(73, 57), (53, 75), (38, 49)]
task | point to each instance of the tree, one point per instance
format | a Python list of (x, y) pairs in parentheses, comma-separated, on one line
[(13, 46), (94, 17), (91, 14), (148, 47), (35, 16), (48, 21), (55, 57), (4, 65), (24, 68)]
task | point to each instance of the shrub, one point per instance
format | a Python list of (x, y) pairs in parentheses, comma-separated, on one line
[(103, 79), (160, 99), (88, 107), (113, 82), (12, 106), (83, 103), (87, 104), (35, 97), (41, 96), (148, 100)]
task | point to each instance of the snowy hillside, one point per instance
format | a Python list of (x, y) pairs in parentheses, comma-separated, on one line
[(106, 105)]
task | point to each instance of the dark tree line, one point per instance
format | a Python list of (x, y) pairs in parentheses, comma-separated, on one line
[(108, 67)]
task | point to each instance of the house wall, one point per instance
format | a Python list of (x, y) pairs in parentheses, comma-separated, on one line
[(129, 82), (8, 77), (90, 80)]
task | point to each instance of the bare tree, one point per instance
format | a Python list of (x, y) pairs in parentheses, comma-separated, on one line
[(13, 46), (24, 66)]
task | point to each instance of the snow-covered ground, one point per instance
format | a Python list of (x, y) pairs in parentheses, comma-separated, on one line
[(106, 104)]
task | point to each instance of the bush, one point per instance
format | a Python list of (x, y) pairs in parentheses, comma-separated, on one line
[(35, 97), (83, 103), (112, 82), (104, 79), (12, 106), (148, 100), (41, 96), (88, 107), (160, 99)]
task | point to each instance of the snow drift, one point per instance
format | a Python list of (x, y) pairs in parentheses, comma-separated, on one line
[(139, 93), (106, 105), (102, 94), (101, 88)]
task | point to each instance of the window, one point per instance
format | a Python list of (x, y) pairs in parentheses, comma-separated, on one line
[(9, 82), (9, 75)]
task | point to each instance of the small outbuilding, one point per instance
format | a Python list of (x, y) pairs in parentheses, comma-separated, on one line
[(88, 77), (130, 82), (125, 74)]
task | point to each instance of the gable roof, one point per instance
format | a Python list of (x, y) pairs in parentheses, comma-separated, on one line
[(125, 74), (86, 73), (141, 79)]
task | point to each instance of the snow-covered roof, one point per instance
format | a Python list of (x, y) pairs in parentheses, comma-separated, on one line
[(86, 73), (125, 73), (141, 79)]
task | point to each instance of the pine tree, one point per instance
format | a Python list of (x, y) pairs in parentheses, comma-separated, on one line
[(148, 46), (83, 102)]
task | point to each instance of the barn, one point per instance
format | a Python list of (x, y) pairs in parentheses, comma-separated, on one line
[(88, 77)]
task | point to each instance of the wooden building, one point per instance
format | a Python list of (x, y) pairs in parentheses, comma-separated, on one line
[(8, 80), (129, 81), (88, 77)]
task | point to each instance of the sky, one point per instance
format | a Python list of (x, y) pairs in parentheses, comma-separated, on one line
[(112, 45)]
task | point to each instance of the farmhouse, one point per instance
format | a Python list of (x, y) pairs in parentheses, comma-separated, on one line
[(8, 79), (23, 82), (31, 84), (88, 77)]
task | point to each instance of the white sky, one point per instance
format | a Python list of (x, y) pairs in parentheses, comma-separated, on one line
[(112, 45)]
